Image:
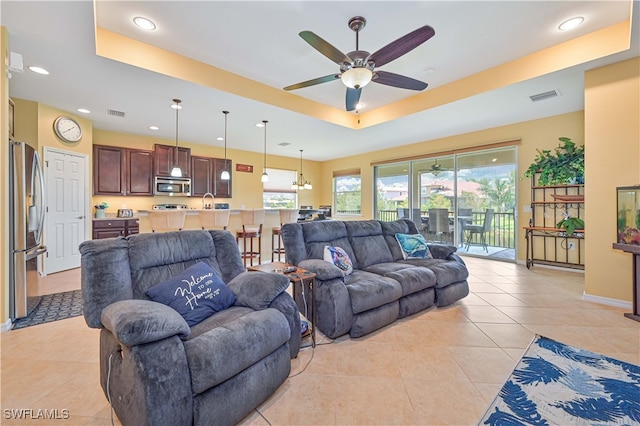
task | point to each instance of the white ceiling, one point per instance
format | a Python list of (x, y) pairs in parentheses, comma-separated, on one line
[(259, 40)]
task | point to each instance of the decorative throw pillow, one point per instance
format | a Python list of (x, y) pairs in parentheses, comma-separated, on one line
[(338, 257), (196, 293), (413, 246)]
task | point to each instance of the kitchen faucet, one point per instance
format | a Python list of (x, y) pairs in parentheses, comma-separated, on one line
[(212, 200)]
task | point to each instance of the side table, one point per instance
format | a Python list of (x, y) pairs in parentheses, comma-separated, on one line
[(298, 277)]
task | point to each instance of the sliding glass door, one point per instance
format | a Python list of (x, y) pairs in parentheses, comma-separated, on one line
[(464, 199)]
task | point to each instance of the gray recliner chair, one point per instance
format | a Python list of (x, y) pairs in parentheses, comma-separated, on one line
[(157, 370)]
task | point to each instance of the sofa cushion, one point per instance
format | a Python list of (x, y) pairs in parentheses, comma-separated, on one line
[(236, 346), (339, 258), (389, 231), (258, 290), (368, 243), (219, 319), (368, 290), (196, 293), (413, 279), (446, 271), (413, 246)]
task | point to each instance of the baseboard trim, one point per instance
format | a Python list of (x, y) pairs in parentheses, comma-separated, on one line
[(557, 268), (607, 301), (6, 326)]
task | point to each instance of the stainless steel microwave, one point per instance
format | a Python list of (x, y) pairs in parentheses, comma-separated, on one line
[(172, 186)]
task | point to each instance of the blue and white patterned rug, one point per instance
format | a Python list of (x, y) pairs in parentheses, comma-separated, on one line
[(557, 384)]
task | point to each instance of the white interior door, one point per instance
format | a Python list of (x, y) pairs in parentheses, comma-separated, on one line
[(66, 217)]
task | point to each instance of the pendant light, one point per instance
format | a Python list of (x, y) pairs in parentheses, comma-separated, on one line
[(436, 168), (265, 176), (225, 173), (176, 171), (302, 183)]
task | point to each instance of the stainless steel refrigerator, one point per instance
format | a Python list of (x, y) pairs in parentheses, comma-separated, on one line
[(27, 209)]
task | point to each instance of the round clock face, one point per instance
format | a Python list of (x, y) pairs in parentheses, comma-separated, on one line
[(67, 129)]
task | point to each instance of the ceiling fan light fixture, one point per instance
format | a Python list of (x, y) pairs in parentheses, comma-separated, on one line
[(356, 78)]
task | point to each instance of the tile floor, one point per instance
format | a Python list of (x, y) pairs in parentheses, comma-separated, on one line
[(443, 366)]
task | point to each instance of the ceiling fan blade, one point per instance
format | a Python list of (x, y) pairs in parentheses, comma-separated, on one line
[(325, 47), (403, 45), (313, 82), (353, 97), (397, 80)]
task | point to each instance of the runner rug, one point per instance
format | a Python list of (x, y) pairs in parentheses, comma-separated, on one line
[(53, 307), (557, 384)]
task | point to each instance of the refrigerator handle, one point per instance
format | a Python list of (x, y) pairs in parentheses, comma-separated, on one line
[(36, 169)]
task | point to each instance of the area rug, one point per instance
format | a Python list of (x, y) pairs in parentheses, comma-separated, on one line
[(53, 307), (557, 384)]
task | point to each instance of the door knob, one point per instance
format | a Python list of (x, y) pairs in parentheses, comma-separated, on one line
[(80, 217)]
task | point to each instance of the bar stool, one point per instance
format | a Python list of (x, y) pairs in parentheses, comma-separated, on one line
[(164, 221), (214, 219), (252, 221), (286, 216)]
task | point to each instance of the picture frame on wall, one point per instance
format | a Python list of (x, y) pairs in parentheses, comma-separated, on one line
[(11, 120)]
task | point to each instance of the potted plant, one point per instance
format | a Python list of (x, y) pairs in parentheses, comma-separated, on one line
[(570, 224), (100, 209), (563, 165)]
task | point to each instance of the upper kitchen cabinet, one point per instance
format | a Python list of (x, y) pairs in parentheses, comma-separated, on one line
[(205, 177), (221, 188), (165, 161), (122, 171)]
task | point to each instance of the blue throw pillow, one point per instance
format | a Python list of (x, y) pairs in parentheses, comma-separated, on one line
[(413, 246), (196, 293), (338, 257)]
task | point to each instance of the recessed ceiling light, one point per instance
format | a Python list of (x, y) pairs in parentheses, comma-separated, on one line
[(144, 23), (154, 127), (259, 124), (570, 24), (494, 159), (84, 110), (39, 70), (219, 138), (359, 105)]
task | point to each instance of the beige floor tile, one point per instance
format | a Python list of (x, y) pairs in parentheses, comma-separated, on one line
[(428, 364), (359, 357), (491, 314), (473, 300), (446, 333), (508, 335), (488, 391), (484, 365), (483, 287), (501, 299), (445, 403)]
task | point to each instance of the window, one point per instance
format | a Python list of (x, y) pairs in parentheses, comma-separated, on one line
[(347, 192), (277, 192)]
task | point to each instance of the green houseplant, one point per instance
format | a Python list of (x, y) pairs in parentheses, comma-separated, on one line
[(563, 165), (570, 224)]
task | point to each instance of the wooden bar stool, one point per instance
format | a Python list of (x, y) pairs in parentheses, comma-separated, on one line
[(214, 219), (252, 221), (163, 221), (286, 216)]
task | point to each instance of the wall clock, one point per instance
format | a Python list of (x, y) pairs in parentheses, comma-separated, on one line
[(67, 129)]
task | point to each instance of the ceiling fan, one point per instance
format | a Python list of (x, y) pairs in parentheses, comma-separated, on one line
[(358, 68)]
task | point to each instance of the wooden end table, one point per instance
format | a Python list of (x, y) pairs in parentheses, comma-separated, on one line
[(299, 276)]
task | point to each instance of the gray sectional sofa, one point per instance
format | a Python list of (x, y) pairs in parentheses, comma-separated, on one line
[(157, 369), (383, 286)]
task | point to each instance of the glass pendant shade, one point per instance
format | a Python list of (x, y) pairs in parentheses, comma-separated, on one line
[(225, 175), (356, 78)]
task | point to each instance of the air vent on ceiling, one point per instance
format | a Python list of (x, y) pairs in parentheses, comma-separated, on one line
[(284, 144), (116, 113), (544, 95)]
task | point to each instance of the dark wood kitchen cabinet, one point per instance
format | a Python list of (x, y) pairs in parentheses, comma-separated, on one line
[(205, 177), (115, 227), (165, 160), (122, 171)]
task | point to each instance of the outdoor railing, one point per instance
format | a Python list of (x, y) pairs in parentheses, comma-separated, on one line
[(501, 234)]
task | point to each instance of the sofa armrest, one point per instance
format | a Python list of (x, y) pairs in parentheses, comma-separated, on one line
[(324, 270), (136, 322), (257, 290), (441, 251)]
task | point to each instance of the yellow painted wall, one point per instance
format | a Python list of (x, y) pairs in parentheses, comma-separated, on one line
[(536, 134), (4, 192), (612, 153)]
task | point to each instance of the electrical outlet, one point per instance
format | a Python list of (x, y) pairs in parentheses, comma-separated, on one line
[(571, 246)]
